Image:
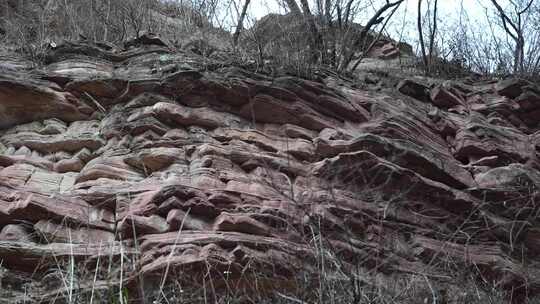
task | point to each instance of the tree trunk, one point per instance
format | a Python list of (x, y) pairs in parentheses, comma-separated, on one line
[(516, 35), (329, 32), (293, 7), (106, 25), (316, 39), (240, 25), (421, 36), (348, 11), (375, 19), (519, 55), (433, 33)]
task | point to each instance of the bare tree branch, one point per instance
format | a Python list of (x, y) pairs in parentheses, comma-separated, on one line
[(240, 24), (421, 35), (374, 20)]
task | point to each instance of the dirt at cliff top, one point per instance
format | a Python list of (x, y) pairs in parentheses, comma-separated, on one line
[(151, 173)]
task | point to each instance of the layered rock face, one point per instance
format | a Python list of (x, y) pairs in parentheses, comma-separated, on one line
[(133, 166)]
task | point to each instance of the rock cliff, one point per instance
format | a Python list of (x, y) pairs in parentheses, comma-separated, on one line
[(141, 166)]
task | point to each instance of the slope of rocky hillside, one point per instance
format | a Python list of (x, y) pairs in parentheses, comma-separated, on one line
[(145, 172)]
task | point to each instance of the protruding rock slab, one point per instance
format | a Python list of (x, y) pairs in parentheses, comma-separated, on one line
[(26, 101), (30, 256)]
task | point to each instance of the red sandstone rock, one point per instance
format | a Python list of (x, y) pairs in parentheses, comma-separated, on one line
[(414, 89), (235, 172), (25, 101), (442, 97), (180, 220), (57, 233), (15, 233), (511, 87)]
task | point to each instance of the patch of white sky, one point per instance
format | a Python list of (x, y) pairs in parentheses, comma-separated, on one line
[(402, 26), (475, 8)]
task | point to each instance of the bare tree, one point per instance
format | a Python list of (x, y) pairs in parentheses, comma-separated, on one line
[(360, 39), (433, 32), (293, 7), (333, 37), (240, 24), (315, 38), (514, 27), (374, 42), (427, 55), (421, 35)]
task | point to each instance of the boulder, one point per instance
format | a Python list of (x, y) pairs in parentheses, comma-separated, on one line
[(511, 88), (443, 98), (23, 101), (414, 89)]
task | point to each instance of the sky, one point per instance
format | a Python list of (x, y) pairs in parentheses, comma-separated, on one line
[(260, 8), (403, 24), (447, 8)]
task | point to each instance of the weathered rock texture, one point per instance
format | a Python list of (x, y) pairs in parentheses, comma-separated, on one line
[(146, 162)]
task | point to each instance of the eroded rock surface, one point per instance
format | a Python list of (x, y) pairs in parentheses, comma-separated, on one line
[(137, 155)]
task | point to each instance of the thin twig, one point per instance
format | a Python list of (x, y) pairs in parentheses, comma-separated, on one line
[(100, 107)]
